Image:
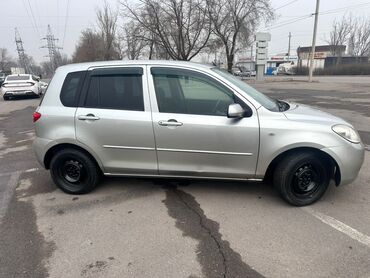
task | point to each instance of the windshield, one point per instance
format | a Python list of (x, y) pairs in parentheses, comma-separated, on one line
[(264, 100)]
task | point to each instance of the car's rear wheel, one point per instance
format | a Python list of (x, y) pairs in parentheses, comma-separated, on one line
[(74, 172), (302, 178)]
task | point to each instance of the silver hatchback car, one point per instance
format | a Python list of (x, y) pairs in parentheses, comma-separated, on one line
[(185, 120)]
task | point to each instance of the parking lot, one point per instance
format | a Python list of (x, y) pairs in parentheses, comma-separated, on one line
[(163, 228)]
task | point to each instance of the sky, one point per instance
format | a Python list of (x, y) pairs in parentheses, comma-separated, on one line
[(68, 18)]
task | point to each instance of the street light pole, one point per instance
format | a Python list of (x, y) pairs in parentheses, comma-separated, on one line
[(314, 41), (290, 37)]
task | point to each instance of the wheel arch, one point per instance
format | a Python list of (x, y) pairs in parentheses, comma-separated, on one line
[(54, 149), (335, 171)]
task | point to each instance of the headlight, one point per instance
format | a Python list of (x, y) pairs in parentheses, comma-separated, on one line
[(347, 133)]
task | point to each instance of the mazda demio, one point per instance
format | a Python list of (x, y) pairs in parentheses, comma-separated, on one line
[(173, 119)]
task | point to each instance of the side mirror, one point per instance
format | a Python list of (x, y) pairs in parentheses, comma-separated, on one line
[(235, 111)]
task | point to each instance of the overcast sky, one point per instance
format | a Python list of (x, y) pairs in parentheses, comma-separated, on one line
[(32, 22)]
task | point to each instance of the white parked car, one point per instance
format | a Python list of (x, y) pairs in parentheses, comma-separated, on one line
[(21, 85)]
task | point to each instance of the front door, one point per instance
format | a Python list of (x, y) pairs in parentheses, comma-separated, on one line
[(114, 120), (194, 136)]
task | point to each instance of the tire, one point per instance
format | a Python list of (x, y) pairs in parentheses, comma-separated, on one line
[(74, 172), (5, 98), (302, 178)]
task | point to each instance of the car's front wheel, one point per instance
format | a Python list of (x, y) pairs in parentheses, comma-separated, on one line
[(74, 172), (302, 178)]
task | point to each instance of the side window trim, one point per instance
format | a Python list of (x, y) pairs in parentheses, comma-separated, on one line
[(163, 70), (137, 70)]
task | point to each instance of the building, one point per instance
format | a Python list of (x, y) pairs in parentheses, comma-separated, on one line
[(321, 53), (273, 62)]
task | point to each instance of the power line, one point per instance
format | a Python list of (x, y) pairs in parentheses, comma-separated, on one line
[(288, 22), (29, 16), (284, 5), (33, 17), (65, 23), (303, 17), (344, 8), (58, 18)]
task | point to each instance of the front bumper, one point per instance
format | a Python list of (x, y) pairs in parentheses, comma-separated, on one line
[(349, 158)]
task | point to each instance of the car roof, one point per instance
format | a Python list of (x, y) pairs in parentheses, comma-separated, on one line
[(86, 66)]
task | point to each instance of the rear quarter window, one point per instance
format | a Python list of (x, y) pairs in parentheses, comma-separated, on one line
[(71, 88)]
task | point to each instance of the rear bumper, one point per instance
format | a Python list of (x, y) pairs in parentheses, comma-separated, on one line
[(349, 159), (40, 146), (19, 93)]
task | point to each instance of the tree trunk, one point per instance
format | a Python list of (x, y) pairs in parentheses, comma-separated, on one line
[(230, 62), (151, 50)]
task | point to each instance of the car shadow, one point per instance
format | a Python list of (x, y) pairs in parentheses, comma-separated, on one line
[(251, 190)]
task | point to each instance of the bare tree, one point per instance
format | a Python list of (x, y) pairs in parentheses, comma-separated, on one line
[(339, 35), (359, 38), (6, 61), (135, 42), (89, 48), (235, 21), (180, 27), (107, 24)]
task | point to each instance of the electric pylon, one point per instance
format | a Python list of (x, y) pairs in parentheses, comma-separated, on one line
[(53, 49), (23, 61)]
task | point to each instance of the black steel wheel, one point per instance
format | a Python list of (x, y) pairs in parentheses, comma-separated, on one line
[(302, 178), (74, 171)]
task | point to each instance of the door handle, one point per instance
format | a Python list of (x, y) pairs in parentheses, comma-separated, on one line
[(89, 117), (170, 122)]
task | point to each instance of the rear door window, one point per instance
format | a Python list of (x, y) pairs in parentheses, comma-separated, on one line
[(71, 88), (116, 89)]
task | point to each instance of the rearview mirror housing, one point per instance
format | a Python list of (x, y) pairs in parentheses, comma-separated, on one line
[(235, 110)]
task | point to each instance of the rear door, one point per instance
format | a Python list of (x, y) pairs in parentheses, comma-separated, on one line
[(114, 120)]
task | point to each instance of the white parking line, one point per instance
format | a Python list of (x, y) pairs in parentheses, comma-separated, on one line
[(340, 226), (31, 170), (26, 131), (8, 193)]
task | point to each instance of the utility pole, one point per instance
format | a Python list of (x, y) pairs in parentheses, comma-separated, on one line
[(252, 52), (290, 37), (21, 54), (53, 49), (314, 41)]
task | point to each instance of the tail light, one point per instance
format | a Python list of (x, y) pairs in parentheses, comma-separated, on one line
[(36, 116)]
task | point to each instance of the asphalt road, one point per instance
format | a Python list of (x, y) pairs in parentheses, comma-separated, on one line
[(156, 228)]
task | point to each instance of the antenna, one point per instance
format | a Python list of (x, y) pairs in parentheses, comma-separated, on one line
[(21, 54), (54, 55)]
